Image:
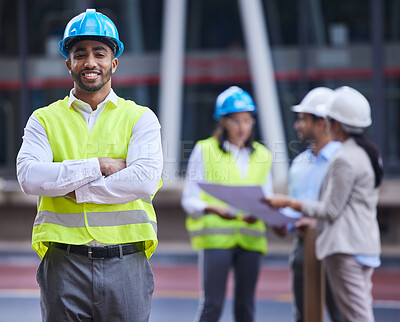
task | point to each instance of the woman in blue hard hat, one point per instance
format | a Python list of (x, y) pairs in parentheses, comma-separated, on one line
[(348, 239), (225, 237)]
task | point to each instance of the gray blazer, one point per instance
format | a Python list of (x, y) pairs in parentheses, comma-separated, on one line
[(346, 210)]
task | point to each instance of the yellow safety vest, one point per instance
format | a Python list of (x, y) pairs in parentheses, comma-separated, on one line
[(210, 230), (63, 220)]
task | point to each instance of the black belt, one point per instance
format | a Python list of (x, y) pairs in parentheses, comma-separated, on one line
[(102, 252)]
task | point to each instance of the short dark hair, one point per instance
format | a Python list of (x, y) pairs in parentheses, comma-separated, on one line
[(107, 41), (316, 117)]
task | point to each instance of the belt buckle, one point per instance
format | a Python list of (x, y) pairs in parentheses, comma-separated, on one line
[(90, 253)]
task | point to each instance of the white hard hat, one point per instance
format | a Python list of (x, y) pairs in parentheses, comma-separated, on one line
[(350, 107), (315, 102)]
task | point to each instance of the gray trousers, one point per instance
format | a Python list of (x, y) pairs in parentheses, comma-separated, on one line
[(214, 265), (76, 288), (296, 263), (353, 286)]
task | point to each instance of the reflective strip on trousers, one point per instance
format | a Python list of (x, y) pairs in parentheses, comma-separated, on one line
[(95, 219)]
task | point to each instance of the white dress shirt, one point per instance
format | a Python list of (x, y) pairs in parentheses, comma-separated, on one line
[(196, 173), (39, 175)]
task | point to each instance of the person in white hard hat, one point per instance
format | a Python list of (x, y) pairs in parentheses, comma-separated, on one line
[(306, 174), (348, 233)]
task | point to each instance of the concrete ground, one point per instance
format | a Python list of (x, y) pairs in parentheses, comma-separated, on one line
[(174, 265), (177, 289)]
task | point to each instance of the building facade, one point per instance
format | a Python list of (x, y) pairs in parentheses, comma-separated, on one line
[(313, 43)]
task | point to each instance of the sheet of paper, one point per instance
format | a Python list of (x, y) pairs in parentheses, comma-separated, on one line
[(248, 199)]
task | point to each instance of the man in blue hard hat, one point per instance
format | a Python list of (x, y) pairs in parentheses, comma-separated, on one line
[(95, 161)]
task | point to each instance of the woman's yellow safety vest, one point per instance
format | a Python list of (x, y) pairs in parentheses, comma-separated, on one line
[(63, 220), (210, 230)]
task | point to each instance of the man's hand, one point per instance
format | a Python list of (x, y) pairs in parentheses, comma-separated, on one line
[(222, 212), (303, 223), (71, 194), (250, 219), (280, 231), (279, 201), (110, 166)]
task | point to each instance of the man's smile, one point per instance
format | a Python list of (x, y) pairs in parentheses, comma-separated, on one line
[(90, 75)]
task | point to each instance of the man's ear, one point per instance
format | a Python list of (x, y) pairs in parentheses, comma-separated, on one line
[(68, 64), (114, 65), (319, 126)]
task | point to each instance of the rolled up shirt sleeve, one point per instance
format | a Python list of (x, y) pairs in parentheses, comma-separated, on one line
[(39, 175), (141, 177)]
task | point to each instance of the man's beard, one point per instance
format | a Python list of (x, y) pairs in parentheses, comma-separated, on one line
[(77, 79), (308, 136)]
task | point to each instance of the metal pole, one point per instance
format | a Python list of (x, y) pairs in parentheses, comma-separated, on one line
[(25, 109), (136, 44), (260, 59), (303, 46), (172, 64), (378, 96), (314, 281), (317, 20)]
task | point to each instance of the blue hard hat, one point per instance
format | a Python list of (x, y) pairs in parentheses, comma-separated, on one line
[(233, 100), (94, 26)]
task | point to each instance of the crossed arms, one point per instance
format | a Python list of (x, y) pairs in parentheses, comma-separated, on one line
[(94, 180)]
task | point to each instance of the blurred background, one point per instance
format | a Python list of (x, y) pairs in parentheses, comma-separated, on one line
[(179, 55), (311, 42)]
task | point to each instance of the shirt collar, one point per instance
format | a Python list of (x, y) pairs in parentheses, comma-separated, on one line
[(329, 150), (233, 148), (81, 105)]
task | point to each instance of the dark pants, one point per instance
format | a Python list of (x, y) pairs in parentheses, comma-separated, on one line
[(296, 263), (76, 288), (214, 267)]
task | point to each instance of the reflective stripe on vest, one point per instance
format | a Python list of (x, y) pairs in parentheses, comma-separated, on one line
[(195, 216), (62, 219), (99, 219), (212, 231), (252, 232), (227, 231)]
